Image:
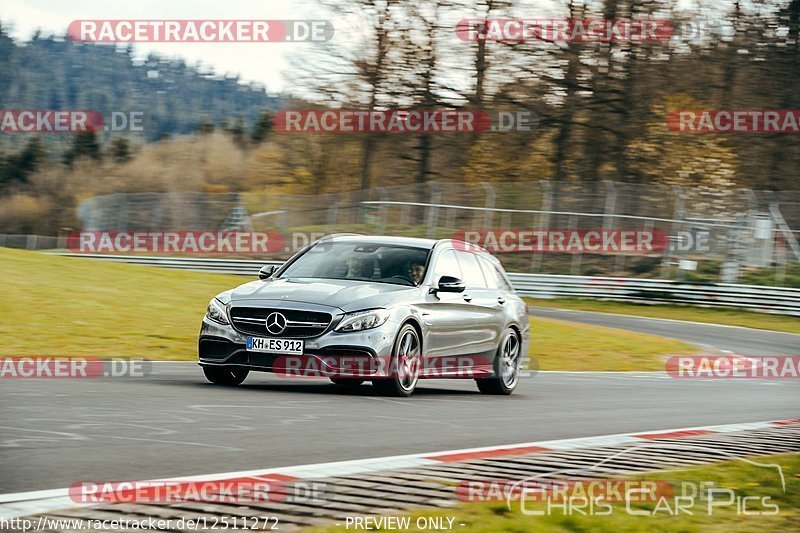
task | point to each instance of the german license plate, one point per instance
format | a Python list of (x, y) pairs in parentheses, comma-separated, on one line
[(282, 346)]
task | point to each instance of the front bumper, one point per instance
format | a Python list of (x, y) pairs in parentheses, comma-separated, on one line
[(330, 354)]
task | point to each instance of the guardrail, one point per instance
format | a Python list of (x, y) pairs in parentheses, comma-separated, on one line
[(243, 267), (756, 297)]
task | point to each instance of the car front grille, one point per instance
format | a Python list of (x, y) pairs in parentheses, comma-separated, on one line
[(299, 324)]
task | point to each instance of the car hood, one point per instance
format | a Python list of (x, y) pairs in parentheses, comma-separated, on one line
[(347, 295)]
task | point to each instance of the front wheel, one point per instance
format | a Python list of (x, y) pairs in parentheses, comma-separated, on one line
[(225, 375), (405, 365), (505, 366)]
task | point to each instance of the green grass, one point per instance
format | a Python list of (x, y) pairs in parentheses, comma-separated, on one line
[(746, 480), (559, 345), (73, 307), (728, 316), (769, 276)]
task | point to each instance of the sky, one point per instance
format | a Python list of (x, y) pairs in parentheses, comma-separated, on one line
[(266, 63), (259, 62)]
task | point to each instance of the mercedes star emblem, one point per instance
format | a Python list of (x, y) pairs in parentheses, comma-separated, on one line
[(276, 323)]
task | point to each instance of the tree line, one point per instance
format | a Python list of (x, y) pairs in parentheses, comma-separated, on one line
[(601, 107)]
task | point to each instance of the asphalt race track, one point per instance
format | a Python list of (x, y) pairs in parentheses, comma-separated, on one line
[(743, 341), (173, 423)]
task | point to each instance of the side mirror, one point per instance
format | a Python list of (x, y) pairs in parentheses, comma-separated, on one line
[(450, 284), (266, 271)]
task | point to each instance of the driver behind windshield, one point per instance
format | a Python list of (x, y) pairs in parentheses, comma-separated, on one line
[(416, 271)]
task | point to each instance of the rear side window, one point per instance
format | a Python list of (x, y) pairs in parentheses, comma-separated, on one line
[(471, 270), (502, 281), (489, 273), (494, 276)]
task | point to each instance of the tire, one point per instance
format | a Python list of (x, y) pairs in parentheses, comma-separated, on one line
[(347, 382), (505, 366), (225, 375), (405, 365)]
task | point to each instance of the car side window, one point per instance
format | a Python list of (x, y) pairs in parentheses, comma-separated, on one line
[(446, 265), (501, 279), (471, 269), (489, 273)]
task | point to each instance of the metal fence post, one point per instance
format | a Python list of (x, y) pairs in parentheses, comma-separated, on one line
[(433, 210), (666, 264), (611, 204), (786, 231), (384, 196), (544, 220), (577, 258), (333, 212), (489, 205), (122, 223), (737, 252), (283, 218), (450, 220), (780, 269)]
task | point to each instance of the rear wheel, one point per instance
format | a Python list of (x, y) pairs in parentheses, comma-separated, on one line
[(225, 375), (405, 366), (505, 366)]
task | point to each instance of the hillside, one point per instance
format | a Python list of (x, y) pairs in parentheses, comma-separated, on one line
[(53, 73)]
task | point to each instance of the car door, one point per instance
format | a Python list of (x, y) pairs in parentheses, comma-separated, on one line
[(447, 317), (499, 292), (487, 321)]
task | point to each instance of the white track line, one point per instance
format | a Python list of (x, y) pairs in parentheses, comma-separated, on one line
[(43, 501), (601, 313)]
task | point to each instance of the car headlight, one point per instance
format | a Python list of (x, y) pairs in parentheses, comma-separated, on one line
[(361, 320), (216, 312)]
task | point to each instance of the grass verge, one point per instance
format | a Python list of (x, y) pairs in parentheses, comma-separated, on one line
[(744, 479), (560, 345), (75, 307), (727, 316)]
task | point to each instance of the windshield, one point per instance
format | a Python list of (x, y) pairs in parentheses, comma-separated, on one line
[(401, 265)]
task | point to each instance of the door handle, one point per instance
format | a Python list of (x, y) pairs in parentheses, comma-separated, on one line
[(467, 298), (500, 300)]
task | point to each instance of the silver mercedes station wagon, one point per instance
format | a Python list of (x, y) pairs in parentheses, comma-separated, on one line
[(389, 310)]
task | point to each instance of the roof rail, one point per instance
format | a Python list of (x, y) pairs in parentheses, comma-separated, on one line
[(332, 235)]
